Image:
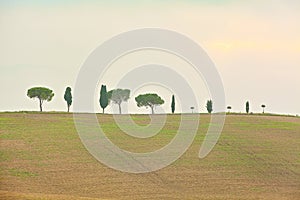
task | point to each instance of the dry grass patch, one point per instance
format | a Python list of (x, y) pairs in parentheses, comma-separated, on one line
[(42, 157)]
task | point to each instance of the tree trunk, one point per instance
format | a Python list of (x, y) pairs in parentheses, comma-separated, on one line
[(120, 111), (68, 108), (102, 110), (41, 109), (152, 109)]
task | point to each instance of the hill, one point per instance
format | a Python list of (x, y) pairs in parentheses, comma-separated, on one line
[(256, 157)]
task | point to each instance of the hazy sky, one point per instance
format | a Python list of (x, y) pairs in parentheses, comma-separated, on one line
[(255, 46)]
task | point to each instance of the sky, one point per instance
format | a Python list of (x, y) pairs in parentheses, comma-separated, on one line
[(255, 46)]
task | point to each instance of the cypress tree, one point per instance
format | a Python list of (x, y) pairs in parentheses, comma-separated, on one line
[(209, 106), (68, 97), (247, 107), (103, 98), (173, 104)]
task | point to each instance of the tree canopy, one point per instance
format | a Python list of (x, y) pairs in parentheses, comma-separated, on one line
[(42, 93), (68, 97), (149, 100), (103, 97), (117, 96)]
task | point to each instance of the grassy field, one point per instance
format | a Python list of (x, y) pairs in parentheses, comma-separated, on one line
[(42, 157)]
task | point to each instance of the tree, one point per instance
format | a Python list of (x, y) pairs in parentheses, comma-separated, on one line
[(103, 98), (192, 108), (173, 104), (263, 107), (68, 97), (43, 94), (150, 100), (229, 108), (117, 96), (209, 106), (247, 107)]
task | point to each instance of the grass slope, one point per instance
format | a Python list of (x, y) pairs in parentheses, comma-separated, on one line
[(42, 157)]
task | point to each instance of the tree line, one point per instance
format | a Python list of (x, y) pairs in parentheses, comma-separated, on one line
[(248, 108), (45, 94), (117, 96)]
